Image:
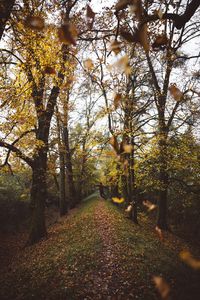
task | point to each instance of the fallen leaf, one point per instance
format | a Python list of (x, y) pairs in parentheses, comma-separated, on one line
[(175, 92), (122, 4), (159, 232), (90, 15), (160, 14), (143, 37), (129, 37), (127, 148), (49, 70), (114, 143), (137, 9), (88, 64), (115, 47), (35, 22), (129, 208), (123, 65), (149, 205), (118, 200), (160, 42), (187, 257), (117, 100), (68, 34), (162, 287)]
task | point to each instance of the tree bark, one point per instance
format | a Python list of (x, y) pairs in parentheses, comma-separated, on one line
[(63, 205), (38, 198), (163, 179), (69, 169), (133, 188), (5, 11)]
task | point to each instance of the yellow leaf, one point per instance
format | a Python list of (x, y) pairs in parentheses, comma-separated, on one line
[(118, 200), (114, 143), (127, 148)]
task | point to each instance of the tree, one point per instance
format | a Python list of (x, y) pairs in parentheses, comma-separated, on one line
[(44, 74), (169, 42)]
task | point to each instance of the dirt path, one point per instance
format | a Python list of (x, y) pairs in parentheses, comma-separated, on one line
[(109, 280), (107, 276)]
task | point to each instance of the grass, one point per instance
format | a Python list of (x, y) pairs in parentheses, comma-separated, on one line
[(63, 266)]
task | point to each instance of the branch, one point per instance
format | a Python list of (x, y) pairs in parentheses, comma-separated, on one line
[(18, 152), (5, 11), (179, 20), (12, 148)]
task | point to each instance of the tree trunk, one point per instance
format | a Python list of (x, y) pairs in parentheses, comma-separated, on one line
[(163, 179), (69, 170), (68, 161), (38, 197), (124, 185), (63, 201), (63, 205), (132, 184)]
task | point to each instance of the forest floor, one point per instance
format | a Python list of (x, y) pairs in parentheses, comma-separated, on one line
[(97, 253)]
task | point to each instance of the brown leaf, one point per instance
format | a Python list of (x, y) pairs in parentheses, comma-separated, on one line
[(149, 205), (115, 47), (160, 14), (117, 100), (35, 23), (129, 37), (175, 92), (136, 8), (126, 170), (160, 42), (49, 70), (90, 16), (114, 143), (128, 209), (143, 37), (162, 287), (187, 257), (159, 232), (88, 64), (122, 4), (67, 34)]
